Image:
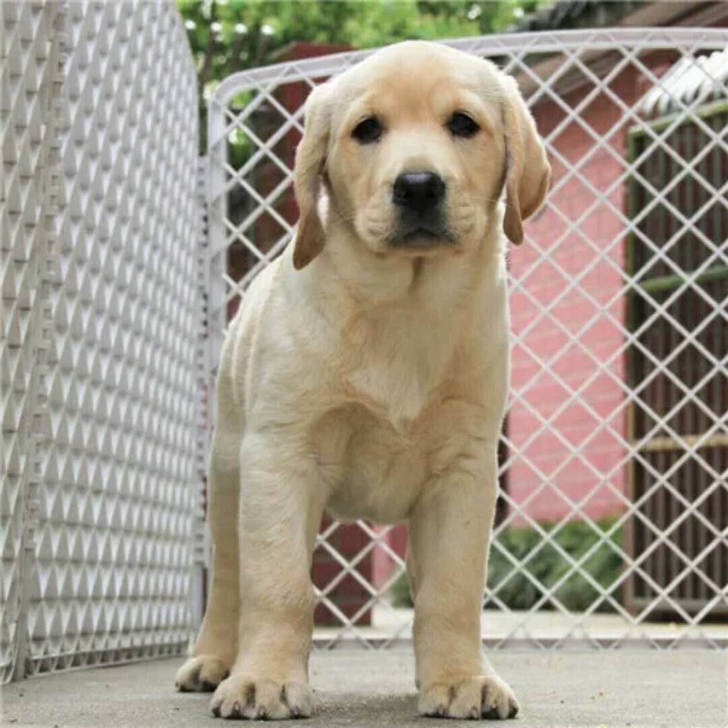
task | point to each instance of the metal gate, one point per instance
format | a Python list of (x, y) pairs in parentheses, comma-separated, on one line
[(100, 348), (579, 535)]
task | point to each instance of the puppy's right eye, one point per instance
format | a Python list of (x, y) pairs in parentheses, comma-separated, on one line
[(367, 131)]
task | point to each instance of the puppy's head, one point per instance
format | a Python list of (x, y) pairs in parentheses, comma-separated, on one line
[(414, 147)]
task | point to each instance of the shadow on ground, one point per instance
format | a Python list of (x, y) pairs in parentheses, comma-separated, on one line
[(376, 689)]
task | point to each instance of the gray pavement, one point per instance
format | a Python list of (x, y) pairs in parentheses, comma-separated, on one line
[(361, 688)]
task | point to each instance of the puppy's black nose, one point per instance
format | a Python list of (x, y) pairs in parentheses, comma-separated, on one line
[(418, 191)]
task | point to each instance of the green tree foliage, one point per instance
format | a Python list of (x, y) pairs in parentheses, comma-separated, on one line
[(232, 35)]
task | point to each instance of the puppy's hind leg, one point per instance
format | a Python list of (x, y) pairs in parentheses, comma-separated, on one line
[(217, 643)]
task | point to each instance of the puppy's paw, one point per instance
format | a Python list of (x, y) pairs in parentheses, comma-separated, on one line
[(484, 696), (244, 696), (201, 674)]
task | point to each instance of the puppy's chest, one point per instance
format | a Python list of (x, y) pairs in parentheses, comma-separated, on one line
[(371, 469), (394, 364)]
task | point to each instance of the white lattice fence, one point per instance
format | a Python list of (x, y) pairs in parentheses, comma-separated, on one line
[(101, 312), (618, 410), (29, 62)]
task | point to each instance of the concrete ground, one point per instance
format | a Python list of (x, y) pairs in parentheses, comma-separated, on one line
[(375, 689)]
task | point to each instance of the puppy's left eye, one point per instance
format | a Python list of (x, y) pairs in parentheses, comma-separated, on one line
[(367, 131), (462, 125)]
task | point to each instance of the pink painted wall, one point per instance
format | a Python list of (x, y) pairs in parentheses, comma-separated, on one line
[(596, 421)]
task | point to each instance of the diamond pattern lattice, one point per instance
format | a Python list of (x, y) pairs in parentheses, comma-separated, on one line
[(97, 560), (29, 63), (614, 455)]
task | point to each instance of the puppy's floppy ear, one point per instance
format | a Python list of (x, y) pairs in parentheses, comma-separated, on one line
[(527, 169), (310, 161)]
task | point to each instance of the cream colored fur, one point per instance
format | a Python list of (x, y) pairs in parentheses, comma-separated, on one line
[(371, 383)]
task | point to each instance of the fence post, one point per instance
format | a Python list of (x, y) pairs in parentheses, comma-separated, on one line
[(31, 53), (201, 560)]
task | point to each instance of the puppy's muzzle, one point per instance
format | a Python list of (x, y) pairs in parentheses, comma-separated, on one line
[(418, 196)]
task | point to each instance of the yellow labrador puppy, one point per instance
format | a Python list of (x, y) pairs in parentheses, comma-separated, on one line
[(366, 374)]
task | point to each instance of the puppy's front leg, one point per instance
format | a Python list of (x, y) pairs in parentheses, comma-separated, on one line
[(448, 541), (280, 512)]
